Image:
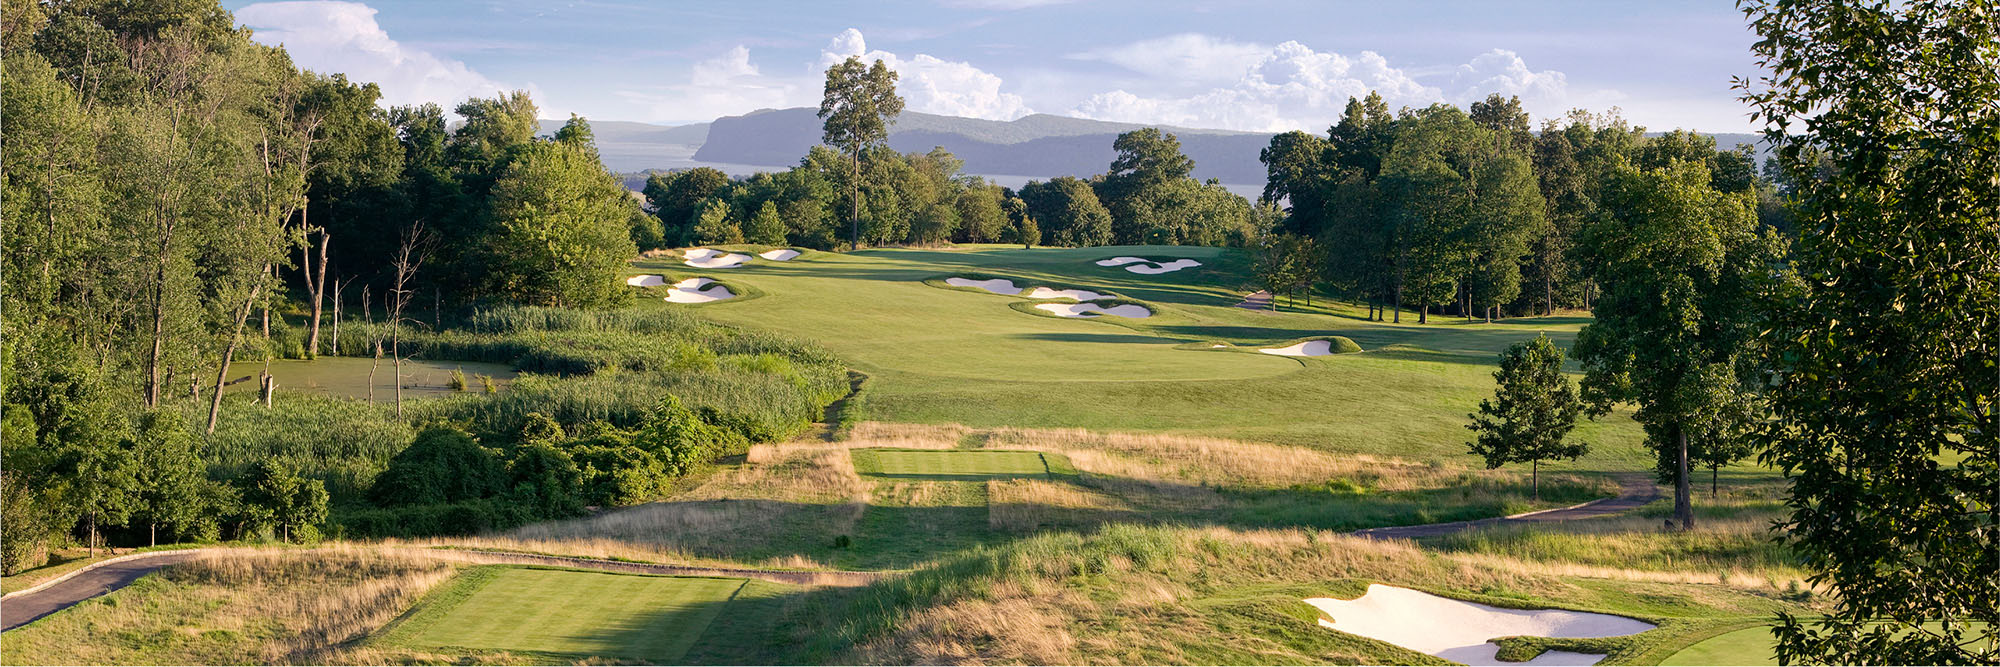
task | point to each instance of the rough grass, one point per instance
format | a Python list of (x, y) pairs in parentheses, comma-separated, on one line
[(1177, 595), (234, 606), (566, 613), (946, 465)]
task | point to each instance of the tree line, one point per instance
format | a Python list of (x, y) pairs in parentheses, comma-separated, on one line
[(1467, 210), (1146, 196)]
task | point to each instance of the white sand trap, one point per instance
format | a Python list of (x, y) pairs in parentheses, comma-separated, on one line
[(710, 258), (1311, 348), (779, 255), (1119, 261), (1094, 310), (692, 291), (996, 285), (645, 281), (1077, 294), (1459, 631), (1151, 268)]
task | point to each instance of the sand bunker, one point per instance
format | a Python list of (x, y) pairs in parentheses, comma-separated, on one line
[(1311, 348), (1076, 294), (1147, 266), (1094, 310), (1459, 631), (779, 255), (996, 285), (1156, 268), (710, 258), (645, 281), (698, 290)]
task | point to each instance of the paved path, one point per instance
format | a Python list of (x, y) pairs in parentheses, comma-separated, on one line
[(27, 606), (1635, 489), (1259, 300)]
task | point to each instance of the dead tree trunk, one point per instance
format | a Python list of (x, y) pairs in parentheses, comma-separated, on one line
[(229, 352)]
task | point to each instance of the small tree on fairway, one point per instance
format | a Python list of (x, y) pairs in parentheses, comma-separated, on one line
[(860, 101), (1532, 411), (766, 228)]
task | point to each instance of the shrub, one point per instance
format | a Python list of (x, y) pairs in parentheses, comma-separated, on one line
[(443, 465)]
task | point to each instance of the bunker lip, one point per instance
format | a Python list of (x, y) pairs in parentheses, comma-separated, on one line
[(698, 290), (1090, 310), (646, 281), (779, 255), (710, 258), (1462, 631), (1145, 266), (1000, 286), (1311, 348), (1072, 294)]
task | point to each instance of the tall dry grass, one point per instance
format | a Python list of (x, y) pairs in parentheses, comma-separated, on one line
[(237, 606), (755, 514)]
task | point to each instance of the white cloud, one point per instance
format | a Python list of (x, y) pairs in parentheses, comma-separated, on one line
[(727, 84), (1187, 56), (1289, 86), (328, 36), (1502, 71), (931, 84), (1292, 87)]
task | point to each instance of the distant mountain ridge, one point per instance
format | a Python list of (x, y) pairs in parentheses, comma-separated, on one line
[(1038, 146)]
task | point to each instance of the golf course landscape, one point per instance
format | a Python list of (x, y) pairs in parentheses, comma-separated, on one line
[(999, 332)]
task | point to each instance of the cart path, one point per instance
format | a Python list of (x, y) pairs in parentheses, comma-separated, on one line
[(1258, 300), (27, 606), (1635, 489)]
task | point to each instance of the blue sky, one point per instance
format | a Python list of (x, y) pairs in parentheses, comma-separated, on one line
[(1252, 66)]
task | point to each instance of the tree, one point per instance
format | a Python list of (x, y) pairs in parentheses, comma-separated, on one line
[(561, 229), (546, 480), (1067, 212), (766, 228), (169, 477), (1298, 176), (442, 465), (980, 218), (677, 198), (294, 504), (713, 224), (1147, 162), (1532, 411), (1884, 354), (859, 104), (1683, 268)]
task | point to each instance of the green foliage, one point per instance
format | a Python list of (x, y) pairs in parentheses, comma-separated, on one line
[(1884, 356), (562, 228), (1683, 268), (1532, 411), (295, 505), (546, 480), (1068, 212), (766, 228), (712, 224), (443, 465), (859, 103)]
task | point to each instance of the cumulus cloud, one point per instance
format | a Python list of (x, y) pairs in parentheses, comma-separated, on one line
[(329, 36), (1291, 86), (1502, 71), (1186, 56), (931, 84)]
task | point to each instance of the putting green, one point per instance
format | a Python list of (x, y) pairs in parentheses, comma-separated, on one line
[(953, 464), (567, 613), (1748, 646)]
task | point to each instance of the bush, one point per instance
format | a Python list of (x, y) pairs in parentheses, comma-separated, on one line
[(443, 465)]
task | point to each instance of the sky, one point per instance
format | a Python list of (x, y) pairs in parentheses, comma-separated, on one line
[(1258, 66)]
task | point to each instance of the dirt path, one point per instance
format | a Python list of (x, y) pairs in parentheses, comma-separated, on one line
[(27, 606), (1635, 489)]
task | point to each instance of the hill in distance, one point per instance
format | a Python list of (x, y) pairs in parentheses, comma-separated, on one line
[(1038, 146)]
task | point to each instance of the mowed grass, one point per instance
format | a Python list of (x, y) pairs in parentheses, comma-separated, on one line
[(942, 356), (567, 613), (953, 465), (1748, 646)]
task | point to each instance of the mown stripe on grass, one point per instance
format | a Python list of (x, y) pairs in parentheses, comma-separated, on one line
[(568, 613)]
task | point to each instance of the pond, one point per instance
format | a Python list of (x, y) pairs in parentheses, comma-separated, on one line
[(348, 377)]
